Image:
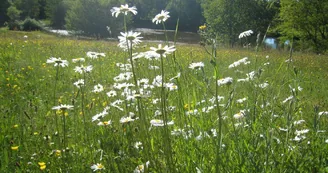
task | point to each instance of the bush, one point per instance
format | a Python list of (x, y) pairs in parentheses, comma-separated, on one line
[(13, 25), (31, 25)]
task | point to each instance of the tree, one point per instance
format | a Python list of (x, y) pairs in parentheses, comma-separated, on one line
[(56, 12), (228, 18), (305, 21), (29, 8), (92, 17), (13, 14), (189, 13), (4, 4)]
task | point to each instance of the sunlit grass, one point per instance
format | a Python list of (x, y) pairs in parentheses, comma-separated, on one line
[(256, 142)]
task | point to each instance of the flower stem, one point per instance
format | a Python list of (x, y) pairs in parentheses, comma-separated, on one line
[(166, 39), (55, 89), (167, 141)]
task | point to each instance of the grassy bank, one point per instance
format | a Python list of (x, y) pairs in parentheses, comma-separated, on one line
[(273, 121)]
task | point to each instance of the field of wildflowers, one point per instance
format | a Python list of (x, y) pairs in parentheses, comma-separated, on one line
[(82, 106)]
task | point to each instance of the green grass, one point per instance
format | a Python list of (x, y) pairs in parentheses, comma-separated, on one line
[(257, 145)]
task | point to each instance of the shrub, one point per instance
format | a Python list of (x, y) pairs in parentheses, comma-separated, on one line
[(31, 25)]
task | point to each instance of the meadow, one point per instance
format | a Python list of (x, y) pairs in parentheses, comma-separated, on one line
[(225, 110)]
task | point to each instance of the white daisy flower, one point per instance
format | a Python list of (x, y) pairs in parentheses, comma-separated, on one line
[(143, 81), (138, 145), (100, 115), (171, 86), (225, 81), (63, 107), (98, 88), (212, 100), (196, 65), (95, 55), (245, 34), (128, 119), (76, 60), (241, 100), (82, 69), (241, 61), (323, 113), (283, 129), (79, 83), (159, 123), (288, 99), (240, 114), (105, 123), (153, 67), (163, 50), (161, 17), (97, 167), (301, 132), (299, 122), (111, 93), (157, 81), (124, 67), (57, 62), (141, 168), (123, 76), (127, 38), (263, 85), (124, 9), (151, 55)]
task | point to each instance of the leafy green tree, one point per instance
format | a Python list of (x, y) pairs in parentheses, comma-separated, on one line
[(4, 4), (189, 13), (92, 17), (306, 22), (29, 8), (13, 14), (56, 11), (228, 18)]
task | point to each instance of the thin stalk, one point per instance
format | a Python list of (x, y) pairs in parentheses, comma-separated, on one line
[(142, 116), (167, 141), (55, 89), (125, 28), (167, 40), (64, 129), (219, 142), (82, 109)]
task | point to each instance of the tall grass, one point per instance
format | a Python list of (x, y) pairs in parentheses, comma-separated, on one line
[(263, 133)]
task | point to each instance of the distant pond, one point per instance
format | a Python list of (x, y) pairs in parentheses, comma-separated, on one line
[(159, 35), (156, 35), (151, 35)]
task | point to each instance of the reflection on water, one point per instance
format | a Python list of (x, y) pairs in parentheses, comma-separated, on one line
[(156, 34)]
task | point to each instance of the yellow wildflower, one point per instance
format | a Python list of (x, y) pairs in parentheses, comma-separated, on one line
[(14, 148), (58, 153), (202, 27), (42, 165)]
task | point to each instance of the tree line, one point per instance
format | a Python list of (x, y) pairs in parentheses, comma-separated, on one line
[(304, 23)]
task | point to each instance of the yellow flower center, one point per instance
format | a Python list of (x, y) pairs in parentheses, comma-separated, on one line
[(160, 51), (100, 166)]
